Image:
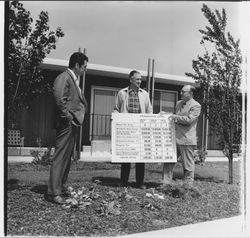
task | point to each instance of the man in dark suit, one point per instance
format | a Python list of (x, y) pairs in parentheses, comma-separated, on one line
[(186, 115), (70, 110)]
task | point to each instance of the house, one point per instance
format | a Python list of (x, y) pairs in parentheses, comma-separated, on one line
[(100, 87)]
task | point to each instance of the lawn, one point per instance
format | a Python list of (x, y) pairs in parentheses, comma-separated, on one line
[(99, 207)]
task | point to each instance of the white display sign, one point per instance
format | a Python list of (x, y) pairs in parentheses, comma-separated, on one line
[(142, 138)]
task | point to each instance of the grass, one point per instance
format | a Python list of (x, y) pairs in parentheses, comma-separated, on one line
[(117, 211)]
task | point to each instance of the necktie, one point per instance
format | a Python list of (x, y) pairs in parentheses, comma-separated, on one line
[(183, 105)]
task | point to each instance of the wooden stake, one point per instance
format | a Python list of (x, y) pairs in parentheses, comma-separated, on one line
[(167, 177), (148, 76), (78, 145), (152, 83)]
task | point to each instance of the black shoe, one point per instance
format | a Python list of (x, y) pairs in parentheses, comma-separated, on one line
[(122, 185), (141, 186)]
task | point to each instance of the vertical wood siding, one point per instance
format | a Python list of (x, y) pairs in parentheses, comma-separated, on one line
[(37, 122)]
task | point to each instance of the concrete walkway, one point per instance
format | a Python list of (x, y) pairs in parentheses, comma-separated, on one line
[(28, 159), (227, 228)]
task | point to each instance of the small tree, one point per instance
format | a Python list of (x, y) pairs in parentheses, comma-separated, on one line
[(219, 74), (27, 48)]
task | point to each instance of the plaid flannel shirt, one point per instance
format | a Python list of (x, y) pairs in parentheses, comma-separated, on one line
[(133, 101)]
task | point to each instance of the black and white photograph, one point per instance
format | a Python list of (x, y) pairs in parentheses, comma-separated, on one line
[(125, 118)]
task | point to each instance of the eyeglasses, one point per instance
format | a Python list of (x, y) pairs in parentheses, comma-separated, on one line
[(182, 91), (84, 67)]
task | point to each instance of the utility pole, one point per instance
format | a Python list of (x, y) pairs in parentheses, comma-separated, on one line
[(78, 145), (150, 85), (148, 77)]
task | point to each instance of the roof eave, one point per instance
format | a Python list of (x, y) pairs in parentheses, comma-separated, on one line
[(117, 72)]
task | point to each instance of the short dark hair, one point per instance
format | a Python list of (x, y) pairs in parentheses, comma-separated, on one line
[(133, 72), (77, 57)]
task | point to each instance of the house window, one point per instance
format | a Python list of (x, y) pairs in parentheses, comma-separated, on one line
[(164, 101)]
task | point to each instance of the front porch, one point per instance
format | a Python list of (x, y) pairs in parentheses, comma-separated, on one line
[(98, 151)]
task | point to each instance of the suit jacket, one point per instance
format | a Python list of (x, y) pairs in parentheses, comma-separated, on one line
[(186, 122), (70, 103), (121, 104)]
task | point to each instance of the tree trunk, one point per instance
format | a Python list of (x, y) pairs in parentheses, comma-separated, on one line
[(230, 166)]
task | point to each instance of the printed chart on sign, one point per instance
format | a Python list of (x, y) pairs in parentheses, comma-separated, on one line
[(143, 138)]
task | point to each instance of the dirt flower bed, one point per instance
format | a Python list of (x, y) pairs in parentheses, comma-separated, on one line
[(98, 207)]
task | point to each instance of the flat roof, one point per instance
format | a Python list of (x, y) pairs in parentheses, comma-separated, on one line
[(117, 72)]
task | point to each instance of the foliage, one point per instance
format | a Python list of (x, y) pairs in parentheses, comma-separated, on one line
[(28, 45), (40, 156), (200, 156), (219, 74), (83, 198)]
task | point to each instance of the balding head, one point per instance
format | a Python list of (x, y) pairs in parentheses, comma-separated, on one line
[(187, 92), (135, 79)]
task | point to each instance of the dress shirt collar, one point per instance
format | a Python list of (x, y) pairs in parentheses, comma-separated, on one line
[(187, 102), (73, 74), (135, 90)]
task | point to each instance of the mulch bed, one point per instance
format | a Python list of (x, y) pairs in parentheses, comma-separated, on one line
[(102, 209)]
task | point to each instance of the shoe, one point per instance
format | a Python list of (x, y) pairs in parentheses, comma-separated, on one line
[(122, 185), (56, 199), (141, 187)]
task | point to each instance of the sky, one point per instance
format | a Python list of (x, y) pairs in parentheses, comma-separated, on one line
[(127, 33)]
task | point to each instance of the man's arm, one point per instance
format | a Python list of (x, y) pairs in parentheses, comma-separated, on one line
[(187, 120), (85, 103), (118, 103), (61, 90), (149, 108)]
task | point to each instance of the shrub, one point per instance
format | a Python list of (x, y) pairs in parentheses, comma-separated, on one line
[(42, 157)]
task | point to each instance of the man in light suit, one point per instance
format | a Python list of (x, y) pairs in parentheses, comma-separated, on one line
[(70, 106), (186, 116), (133, 99)]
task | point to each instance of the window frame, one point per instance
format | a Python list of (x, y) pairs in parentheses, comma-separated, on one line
[(171, 91), (92, 102)]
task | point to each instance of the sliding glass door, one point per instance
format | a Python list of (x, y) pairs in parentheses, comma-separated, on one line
[(102, 107)]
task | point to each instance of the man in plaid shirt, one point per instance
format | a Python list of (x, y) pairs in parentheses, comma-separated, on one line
[(133, 99)]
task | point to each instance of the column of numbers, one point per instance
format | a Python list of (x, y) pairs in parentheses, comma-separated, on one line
[(145, 140)]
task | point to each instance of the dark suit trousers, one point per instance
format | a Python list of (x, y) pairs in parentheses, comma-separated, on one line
[(139, 173), (65, 141)]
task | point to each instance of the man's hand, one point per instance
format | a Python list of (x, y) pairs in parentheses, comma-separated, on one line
[(173, 118)]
